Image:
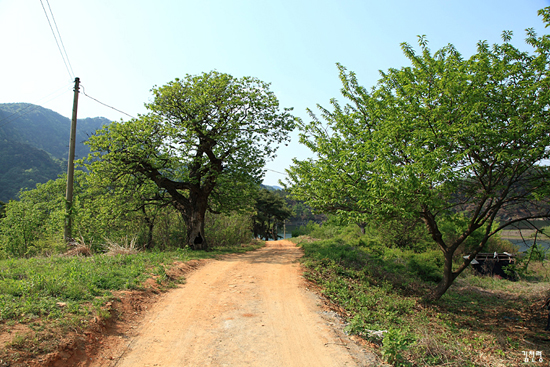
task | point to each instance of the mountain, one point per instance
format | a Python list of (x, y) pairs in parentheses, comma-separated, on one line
[(34, 145), (271, 187)]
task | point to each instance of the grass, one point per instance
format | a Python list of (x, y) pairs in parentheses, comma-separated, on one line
[(45, 296), (480, 321)]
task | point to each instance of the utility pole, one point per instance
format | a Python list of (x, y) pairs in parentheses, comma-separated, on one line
[(70, 168)]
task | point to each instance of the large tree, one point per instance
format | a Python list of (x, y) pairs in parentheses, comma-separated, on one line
[(446, 139), (204, 144)]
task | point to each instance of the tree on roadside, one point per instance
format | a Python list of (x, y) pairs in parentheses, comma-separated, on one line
[(203, 143), (33, 224), (121, 206), (453, 142), (271, 211)]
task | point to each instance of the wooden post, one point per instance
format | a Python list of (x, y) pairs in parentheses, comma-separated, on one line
[(70, 168)]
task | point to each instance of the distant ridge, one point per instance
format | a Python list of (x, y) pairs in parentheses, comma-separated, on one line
[(272, 188), (34, 145)]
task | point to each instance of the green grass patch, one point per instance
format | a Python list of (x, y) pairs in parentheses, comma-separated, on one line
[(34, 287), (44, 298), (480, 321)]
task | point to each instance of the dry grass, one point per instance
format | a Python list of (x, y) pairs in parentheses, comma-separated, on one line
[(128, 247), (78, 248)]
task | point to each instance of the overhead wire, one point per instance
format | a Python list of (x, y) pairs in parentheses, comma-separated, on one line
[(65, 57), (281, 173), (62, 50), (104, 104), (60, 39)]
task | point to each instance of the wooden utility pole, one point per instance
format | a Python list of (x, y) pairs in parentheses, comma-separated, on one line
[(70, 168)]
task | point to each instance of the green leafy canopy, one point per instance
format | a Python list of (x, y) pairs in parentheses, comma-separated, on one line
[(204, 143), (444, 135)]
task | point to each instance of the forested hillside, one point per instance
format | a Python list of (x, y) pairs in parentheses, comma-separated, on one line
[(34, 145)]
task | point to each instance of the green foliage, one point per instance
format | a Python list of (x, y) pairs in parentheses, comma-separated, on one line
[(396, 341), (34, 225), (302, 212), (404, 233), (329, 229), (203, 144), (22, 166), (45, 129), (35, 286), (379, 289), (445, 135), (229, 229), (362, 282), (271, 211), (520, 268), (497, 244), (120, 208), (428, 266), (305, 230)]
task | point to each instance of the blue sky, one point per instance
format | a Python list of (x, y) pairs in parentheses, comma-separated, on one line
[(120, 49)]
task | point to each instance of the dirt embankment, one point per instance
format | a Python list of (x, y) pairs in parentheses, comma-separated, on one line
[(249, 309)]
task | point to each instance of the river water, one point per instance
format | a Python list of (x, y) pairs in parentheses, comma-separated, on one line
[(524, 246)]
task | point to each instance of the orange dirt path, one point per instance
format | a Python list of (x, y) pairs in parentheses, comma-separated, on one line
[(249, 309)]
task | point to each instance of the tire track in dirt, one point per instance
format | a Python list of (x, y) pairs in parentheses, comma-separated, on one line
[(248, 309)]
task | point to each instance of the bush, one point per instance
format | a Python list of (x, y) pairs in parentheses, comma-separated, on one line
[(395, 342), (403, 233), (34, 225), (428, 266), (228, 229), (497, 244), (305, 230)]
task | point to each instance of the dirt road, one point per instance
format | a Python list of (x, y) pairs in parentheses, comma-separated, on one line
[(246, 310)]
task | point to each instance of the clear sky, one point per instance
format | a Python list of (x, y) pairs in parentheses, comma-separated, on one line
[(120, 49)]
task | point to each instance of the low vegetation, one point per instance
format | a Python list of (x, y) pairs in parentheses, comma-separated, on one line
[(480, 321), (49, 289), (442, 140), (430, 165), (44, 298), (33, 226)]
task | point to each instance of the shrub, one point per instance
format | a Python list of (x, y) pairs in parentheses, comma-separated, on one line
[(428, 266), (34, 225), (228, 229), (395, 342), (305, 230)]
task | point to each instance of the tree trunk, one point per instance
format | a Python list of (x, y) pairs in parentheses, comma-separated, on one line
[(150, 227), (362, 226), (275, 231), (255, 228), (195, 224), (448, 278)]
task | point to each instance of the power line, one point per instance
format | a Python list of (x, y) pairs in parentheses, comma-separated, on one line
[(31, 107), (63, 56), (106, 105), (281, 173), (60, 39)]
